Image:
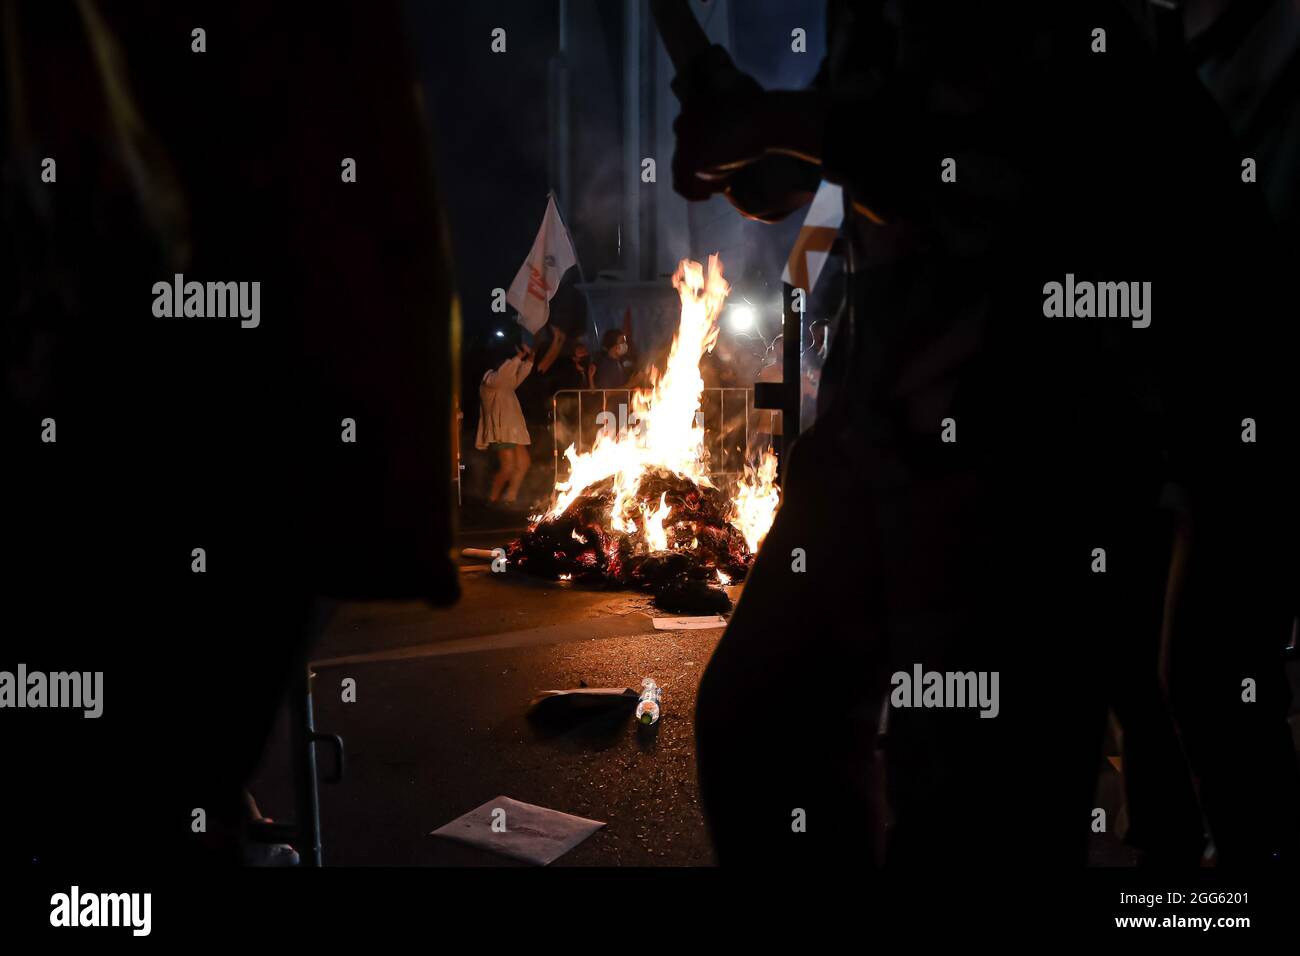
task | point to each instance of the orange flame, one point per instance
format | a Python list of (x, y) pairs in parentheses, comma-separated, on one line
[(667, 434), (756, 501)]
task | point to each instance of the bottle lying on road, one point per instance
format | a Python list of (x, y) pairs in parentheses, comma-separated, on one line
[(648, 706)]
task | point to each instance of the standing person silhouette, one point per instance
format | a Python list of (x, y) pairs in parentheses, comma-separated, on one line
[(609, 363), (982, 491)]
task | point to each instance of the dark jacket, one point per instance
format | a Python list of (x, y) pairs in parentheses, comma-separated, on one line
[(609, 372)]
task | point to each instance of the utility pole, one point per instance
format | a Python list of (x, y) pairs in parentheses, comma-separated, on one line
[(558, 113)]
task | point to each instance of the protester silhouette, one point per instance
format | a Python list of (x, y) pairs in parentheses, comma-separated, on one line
[(1035, 541)]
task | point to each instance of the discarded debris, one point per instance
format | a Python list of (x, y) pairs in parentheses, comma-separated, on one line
[(581, 698), (699, 542), (520, 831), (687, 596), (689, 623), (650, 702)]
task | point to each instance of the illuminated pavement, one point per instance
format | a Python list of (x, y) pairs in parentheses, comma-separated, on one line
[(439, 727)]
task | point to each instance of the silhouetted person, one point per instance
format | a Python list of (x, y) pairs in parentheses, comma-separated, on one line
[(1032, 543), (609, 371), (202, 491), (578, 371)]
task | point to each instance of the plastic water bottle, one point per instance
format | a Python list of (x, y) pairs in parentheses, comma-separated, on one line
[(647, 707)]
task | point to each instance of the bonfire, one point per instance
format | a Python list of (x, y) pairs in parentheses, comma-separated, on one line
[(638, 509)]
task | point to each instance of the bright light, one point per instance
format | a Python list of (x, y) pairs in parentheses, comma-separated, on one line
[(742, 317), (500, 334)]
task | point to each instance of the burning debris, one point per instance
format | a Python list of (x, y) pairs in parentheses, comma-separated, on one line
[(638, 510), (680, 537)]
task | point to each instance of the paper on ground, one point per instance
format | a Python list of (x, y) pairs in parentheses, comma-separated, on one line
[(689, 623), (533, 834)]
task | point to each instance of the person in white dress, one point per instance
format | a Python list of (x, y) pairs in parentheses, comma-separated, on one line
[(501, 424)]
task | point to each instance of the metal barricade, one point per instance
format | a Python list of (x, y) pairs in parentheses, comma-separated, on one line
[(725, 415)]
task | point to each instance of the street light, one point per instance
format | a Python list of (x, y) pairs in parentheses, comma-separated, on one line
[(742, 317)]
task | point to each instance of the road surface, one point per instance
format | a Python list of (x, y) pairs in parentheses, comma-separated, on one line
[(439, 727)]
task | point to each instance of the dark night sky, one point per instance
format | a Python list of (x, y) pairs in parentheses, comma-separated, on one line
[(489, 127), (489, 115)]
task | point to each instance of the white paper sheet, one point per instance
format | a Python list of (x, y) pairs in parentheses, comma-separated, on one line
[(523, 831)]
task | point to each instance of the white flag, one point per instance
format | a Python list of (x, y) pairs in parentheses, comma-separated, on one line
[(552, 255), (814, 242)]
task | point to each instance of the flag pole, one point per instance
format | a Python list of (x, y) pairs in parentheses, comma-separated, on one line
[(559, 211)]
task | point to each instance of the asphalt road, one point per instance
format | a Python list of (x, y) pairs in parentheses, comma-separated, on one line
[(438, 726), (439, 723)]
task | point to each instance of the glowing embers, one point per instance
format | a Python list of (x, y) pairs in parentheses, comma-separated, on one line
[(672, 527)]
